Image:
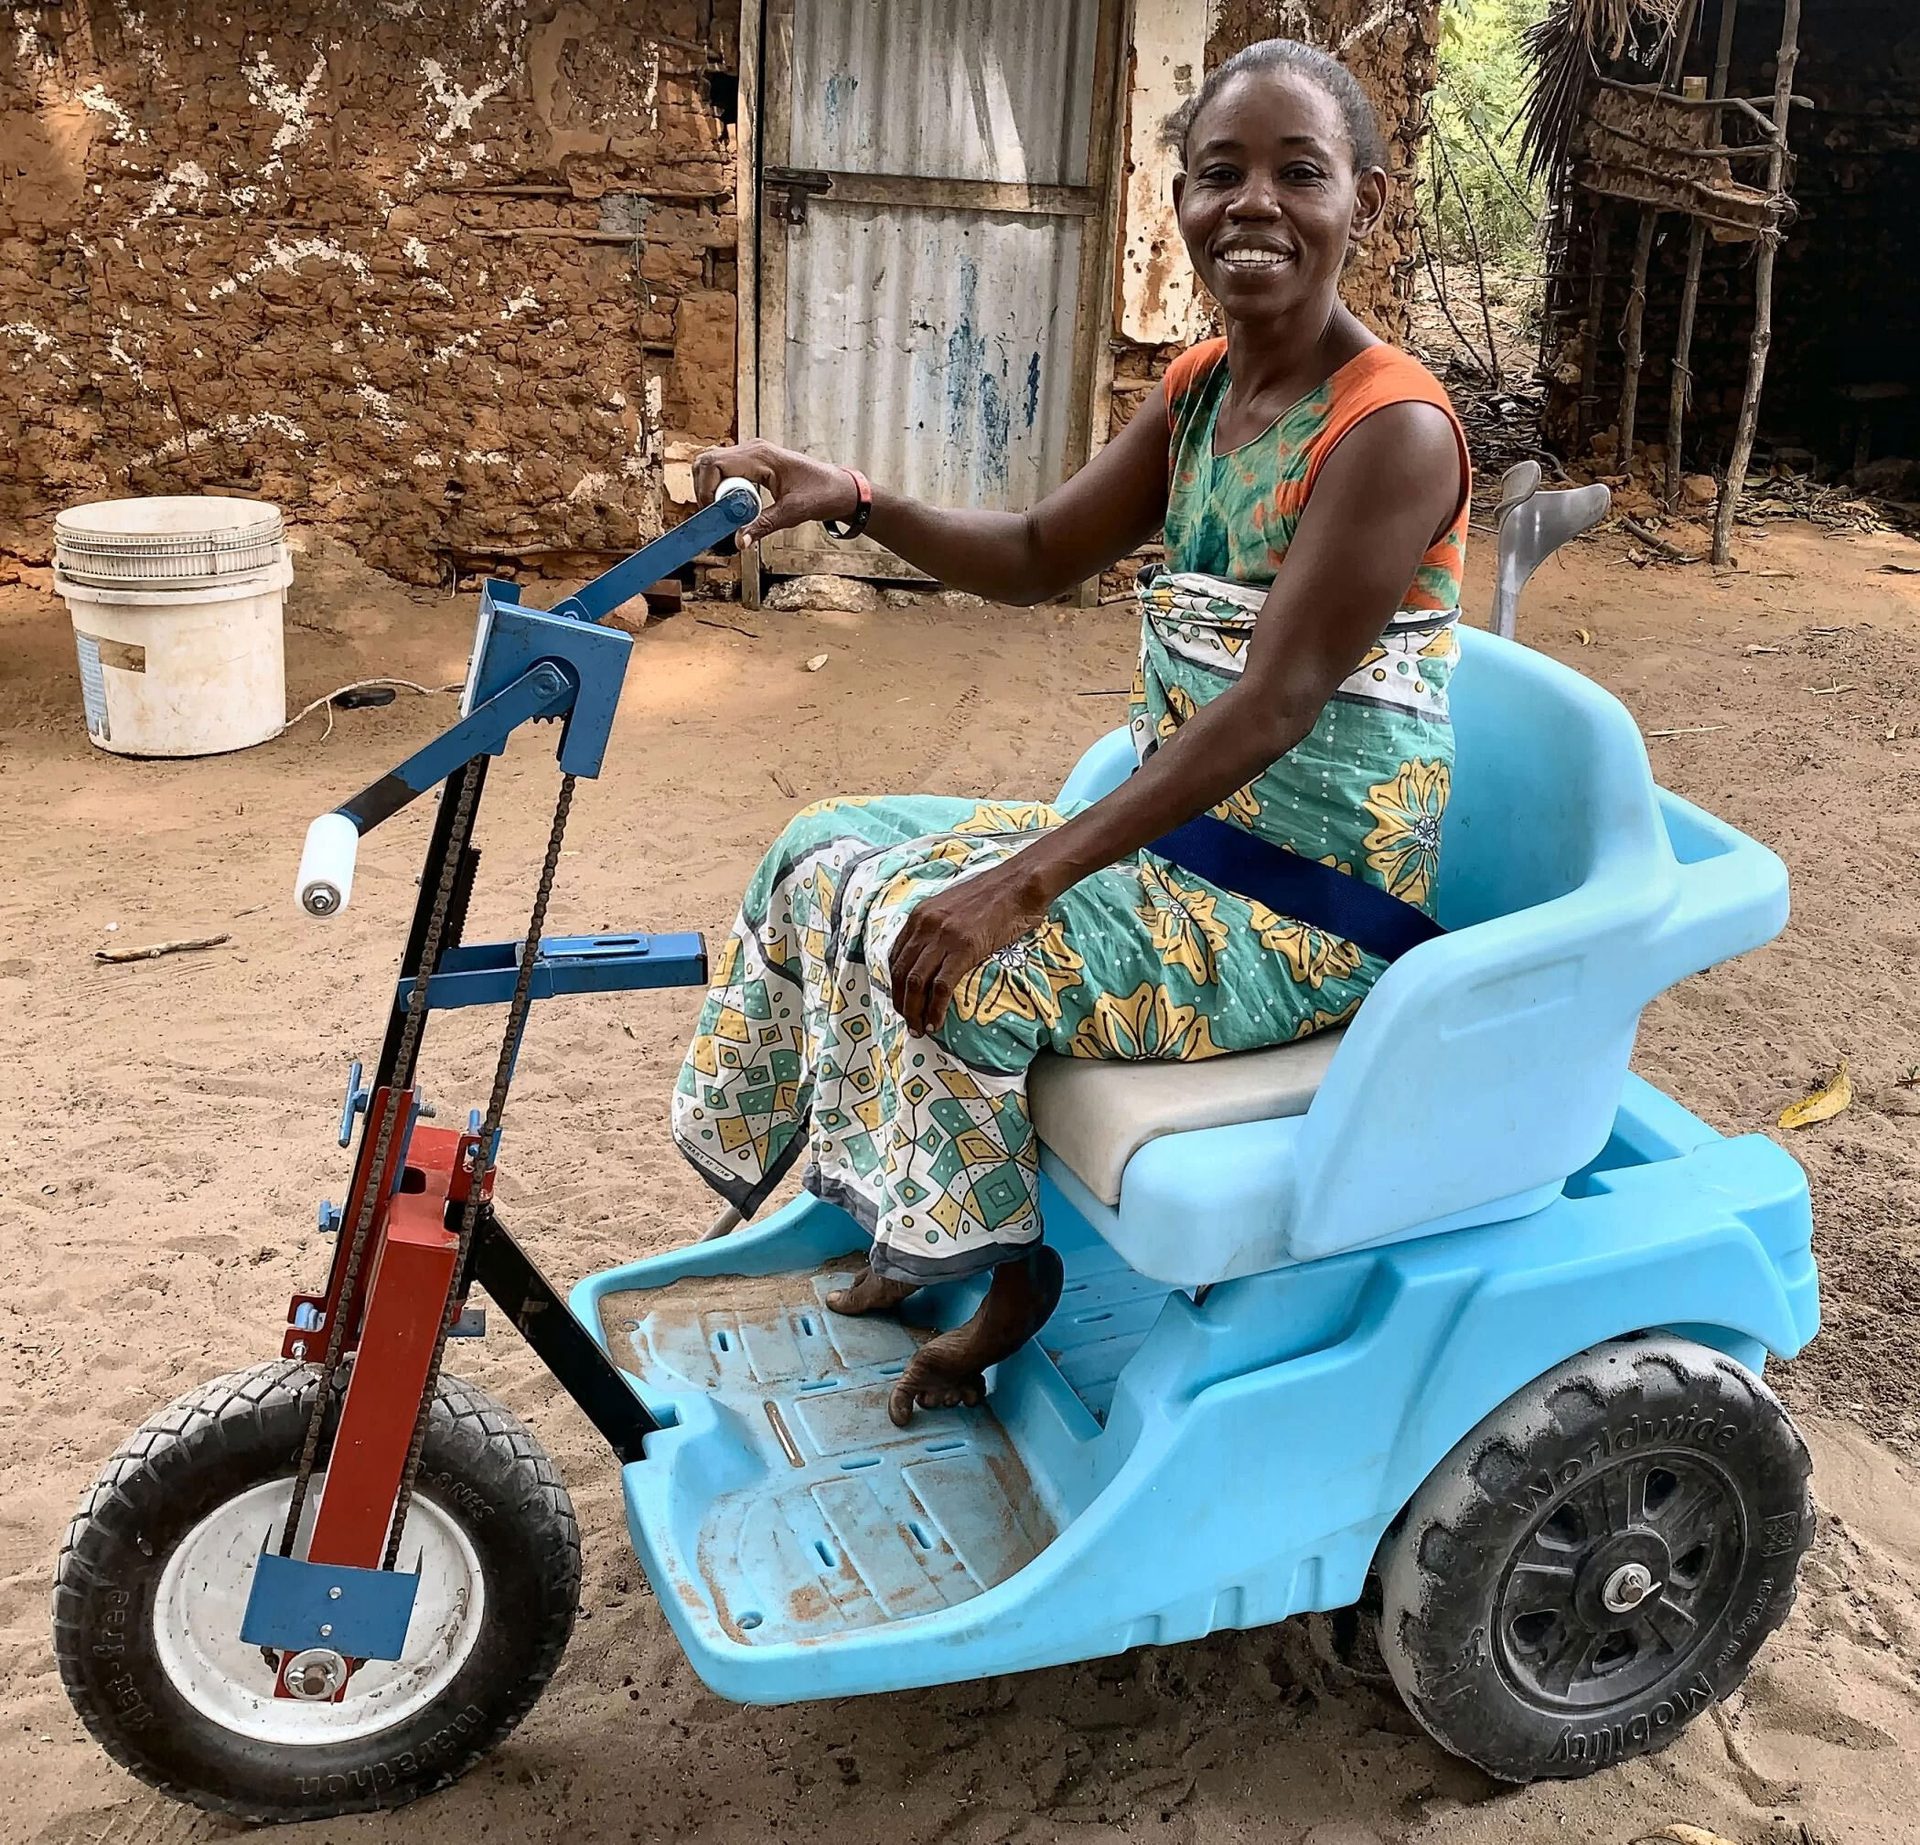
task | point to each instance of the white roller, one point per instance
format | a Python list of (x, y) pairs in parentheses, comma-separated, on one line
[(324, 881), (734, 484)]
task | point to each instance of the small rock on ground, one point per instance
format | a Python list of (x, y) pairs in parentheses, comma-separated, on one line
[(815, 593)]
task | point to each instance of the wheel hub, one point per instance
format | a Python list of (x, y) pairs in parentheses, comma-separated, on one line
[(316, 1674), (201, 1602), (1627, 1588), (1619, 1579)]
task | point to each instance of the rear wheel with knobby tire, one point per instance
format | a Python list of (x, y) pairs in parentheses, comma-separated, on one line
[(153, 1580), (1597, 1562)]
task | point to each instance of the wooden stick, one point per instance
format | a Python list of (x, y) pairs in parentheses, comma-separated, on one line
[(1634, 329), (1654, 541), (1479, 262), (1596, 307), (154, 950), (1682, 392), (1762, 341), (1690, 730)]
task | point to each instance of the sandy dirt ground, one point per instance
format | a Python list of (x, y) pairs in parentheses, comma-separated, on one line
[(169, 1127)]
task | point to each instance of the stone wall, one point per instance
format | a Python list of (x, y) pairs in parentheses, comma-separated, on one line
[(452, 278)]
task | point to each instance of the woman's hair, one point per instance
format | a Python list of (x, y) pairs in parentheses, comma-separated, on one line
[(1288, 54)]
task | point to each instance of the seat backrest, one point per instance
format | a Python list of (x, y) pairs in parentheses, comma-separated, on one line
[(1549, 777), (1487, 1065)]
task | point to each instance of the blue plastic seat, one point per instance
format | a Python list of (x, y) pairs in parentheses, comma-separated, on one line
[(1486, 1066)]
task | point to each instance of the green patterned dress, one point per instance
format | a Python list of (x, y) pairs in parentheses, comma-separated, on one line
[(927, 1141)]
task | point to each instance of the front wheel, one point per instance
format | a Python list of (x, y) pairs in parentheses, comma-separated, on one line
[(153, 1580), (1598, 1561)]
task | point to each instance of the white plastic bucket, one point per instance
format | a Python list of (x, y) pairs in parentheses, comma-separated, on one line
[(178, 607)]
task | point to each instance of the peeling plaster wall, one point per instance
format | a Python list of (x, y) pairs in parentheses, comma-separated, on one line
[(451, 278), (1390, 45)]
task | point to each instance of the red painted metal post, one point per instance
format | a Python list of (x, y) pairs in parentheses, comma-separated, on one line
[(406, 1304)]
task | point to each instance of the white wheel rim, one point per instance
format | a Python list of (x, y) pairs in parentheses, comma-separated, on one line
[(203, 1598)]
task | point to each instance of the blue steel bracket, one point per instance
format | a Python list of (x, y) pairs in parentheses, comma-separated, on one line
[(358, 1096), (360, 1614), (545, 690), (637, 574), (483, 974), (512, 639)]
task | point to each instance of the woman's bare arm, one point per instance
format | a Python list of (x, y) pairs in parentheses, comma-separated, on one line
[(1109, 509)]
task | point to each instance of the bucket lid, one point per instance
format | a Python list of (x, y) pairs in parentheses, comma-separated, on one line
[(175, 538)]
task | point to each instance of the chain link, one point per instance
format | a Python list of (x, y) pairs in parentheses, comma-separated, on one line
[(401, 1083), (517, 1010)]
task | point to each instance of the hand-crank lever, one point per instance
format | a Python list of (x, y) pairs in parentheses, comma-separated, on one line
[(527, 663)]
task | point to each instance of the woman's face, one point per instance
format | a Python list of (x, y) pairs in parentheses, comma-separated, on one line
[(1270, 203)]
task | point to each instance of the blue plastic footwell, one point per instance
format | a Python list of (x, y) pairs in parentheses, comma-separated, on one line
[(839, 1520), (1152, 1467)]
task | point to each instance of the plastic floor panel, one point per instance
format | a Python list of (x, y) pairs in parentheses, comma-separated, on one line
[(841, 1520)]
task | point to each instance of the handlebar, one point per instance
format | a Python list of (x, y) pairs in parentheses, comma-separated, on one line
[(324, 881)]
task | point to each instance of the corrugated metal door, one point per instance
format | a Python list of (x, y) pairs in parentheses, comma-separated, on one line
[(932, 182)]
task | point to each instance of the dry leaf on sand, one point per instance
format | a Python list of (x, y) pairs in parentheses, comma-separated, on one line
[(1823, 1104)]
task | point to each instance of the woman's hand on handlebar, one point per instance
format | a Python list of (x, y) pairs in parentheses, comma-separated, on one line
[(803, 489)]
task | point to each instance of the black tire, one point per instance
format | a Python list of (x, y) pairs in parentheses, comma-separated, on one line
[(480, 1470), (1502, 1619)]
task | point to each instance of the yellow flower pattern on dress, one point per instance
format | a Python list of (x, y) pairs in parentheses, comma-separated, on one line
[(1024, 980), (1404, 847), (1007, 817), (1242, 808), (1312, 956), (1326, 1021), (1183, 923), (1148, 1022)]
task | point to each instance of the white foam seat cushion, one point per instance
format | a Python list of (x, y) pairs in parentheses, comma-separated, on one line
[(1096, 1115)]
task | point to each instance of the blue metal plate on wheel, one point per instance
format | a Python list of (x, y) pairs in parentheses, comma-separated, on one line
[(361, 1614)]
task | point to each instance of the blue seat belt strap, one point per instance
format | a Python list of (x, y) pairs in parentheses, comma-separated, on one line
[(1334, 902)]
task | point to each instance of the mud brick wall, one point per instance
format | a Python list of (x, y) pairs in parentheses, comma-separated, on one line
[(1393, 49), (452, 279)]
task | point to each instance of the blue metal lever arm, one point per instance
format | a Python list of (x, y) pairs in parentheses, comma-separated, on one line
[(666, 554), (543, 691), (483, 973)]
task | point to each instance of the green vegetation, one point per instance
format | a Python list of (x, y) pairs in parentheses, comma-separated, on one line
[(1473, 152)]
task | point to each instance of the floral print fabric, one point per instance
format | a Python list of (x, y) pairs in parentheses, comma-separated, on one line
[(927, 1141)]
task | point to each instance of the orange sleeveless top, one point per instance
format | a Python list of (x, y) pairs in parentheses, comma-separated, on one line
[(1233, 515)]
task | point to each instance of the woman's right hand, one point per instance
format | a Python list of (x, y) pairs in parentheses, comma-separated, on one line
[(803, 489)]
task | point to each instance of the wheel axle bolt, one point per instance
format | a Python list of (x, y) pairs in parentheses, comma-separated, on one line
[(333, 1594), (1628, 1586), (298, 1348), (316, 1673)]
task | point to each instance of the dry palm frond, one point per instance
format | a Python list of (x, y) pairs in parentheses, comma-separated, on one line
[(1565, 49)]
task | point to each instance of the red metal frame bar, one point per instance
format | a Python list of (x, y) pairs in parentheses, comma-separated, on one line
[(402, 1302)]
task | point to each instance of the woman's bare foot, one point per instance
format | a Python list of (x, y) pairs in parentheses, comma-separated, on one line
[(868, 1293), (950, 1369)]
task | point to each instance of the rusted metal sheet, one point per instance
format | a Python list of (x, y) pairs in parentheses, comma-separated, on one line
[(927, 193), (1159, 299), (935, 347), (945, 89)]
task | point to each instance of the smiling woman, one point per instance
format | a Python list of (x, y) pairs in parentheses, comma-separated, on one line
[(899, 962)]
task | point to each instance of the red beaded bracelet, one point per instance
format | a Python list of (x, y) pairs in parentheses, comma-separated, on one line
[(852, 528)]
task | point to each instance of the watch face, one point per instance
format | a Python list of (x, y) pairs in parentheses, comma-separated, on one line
[(482, 629)]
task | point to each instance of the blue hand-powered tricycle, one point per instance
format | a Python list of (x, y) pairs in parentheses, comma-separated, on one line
[(1445, 1315)]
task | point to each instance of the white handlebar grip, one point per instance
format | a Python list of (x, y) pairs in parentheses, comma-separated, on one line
[(324, 881), (734, 484)]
